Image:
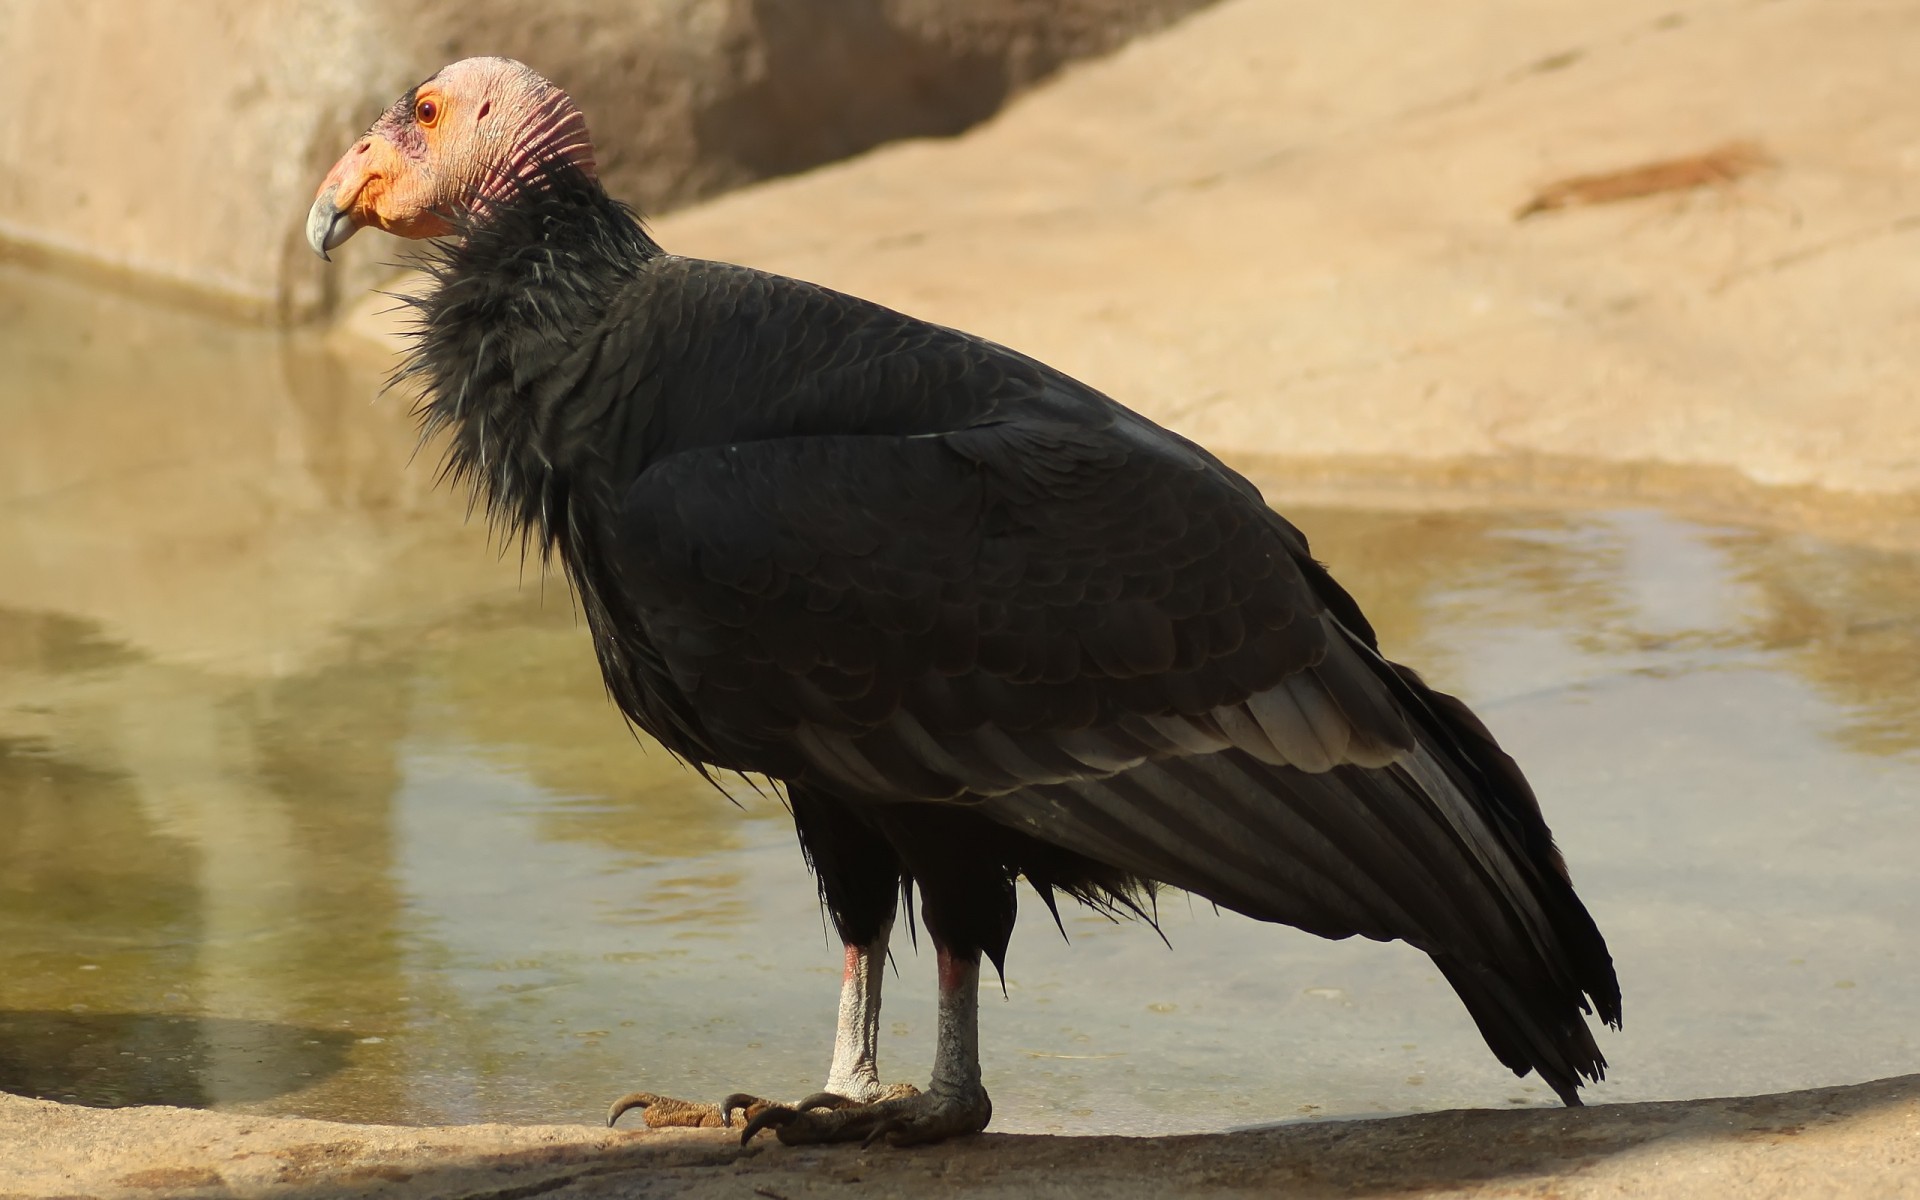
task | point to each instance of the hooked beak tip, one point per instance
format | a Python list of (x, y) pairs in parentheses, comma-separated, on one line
[(327, 226)]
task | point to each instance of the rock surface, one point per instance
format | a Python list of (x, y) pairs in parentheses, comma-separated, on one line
[(182, 142), (1289, 228), (1861, 1141)]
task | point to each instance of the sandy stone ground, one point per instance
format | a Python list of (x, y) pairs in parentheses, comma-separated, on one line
[(1294, 230), (1861, 1141)]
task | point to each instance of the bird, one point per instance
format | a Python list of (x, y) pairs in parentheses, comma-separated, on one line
[(979, 622)]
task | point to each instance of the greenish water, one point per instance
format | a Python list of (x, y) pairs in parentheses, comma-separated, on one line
[(309, 805)]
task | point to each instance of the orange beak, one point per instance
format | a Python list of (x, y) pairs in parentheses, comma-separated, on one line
[(370, 185)]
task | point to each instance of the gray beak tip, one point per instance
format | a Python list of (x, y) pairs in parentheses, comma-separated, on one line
[(327, 226)]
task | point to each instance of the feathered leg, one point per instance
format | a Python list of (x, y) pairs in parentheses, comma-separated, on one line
[(854, 1077), (967, 906), (954, 1103), (859, 876)]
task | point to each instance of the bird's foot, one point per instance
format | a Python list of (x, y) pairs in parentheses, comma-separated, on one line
[(902, 1120), (667, 1112)]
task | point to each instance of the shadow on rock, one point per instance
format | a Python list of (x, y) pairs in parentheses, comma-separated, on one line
[(1852, 1140)]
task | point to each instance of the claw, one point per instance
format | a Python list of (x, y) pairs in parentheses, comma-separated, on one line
[(665, 1112), (740, 1100), (903, 1116), (881, 1130), (909, 1121), (631, 1100), (771, 1117)]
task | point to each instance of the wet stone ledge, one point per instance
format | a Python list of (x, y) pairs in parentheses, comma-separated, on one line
[(1858, 1141)]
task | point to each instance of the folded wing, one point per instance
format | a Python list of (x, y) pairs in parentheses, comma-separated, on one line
[(1104, 640)]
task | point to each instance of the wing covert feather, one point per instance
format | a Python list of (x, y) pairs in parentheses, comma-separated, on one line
[(1031, 602)]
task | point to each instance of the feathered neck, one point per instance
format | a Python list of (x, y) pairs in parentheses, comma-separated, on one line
[(504, 336)]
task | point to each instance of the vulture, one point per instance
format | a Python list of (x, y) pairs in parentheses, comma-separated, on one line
[(979, 621)]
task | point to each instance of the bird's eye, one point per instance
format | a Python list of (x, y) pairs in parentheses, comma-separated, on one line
[(426, 112)]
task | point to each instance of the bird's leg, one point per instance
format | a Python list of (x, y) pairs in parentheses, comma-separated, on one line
[(855, 1072), (854, 1077), (954, 1103)]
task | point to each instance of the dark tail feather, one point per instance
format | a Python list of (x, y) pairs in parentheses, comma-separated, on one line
[(1526, 1034), (1416, 851), (1515, 812)]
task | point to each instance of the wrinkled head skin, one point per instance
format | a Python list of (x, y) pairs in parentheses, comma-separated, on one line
[(447, 149)]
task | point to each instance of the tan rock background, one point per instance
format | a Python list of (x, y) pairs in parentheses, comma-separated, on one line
[(182, 141), (1288, 228)]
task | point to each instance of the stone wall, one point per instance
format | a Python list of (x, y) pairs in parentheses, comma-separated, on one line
[(182, 141)]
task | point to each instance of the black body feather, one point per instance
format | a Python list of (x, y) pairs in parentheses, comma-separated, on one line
[(981, 620)]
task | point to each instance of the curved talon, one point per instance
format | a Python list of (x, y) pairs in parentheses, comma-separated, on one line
[(740, 1100), (666, 1112), (902, 1116), (631, 1100), (881, 1130), (771, 1117)]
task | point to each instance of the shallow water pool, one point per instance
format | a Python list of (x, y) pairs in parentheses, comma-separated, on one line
[(309, 805)]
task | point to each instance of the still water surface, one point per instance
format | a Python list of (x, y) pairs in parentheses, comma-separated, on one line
[(309, 805)]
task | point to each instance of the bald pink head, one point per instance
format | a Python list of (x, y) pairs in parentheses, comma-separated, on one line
[(446, 150)]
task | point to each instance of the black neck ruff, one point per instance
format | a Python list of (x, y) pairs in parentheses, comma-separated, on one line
[(518, 292)]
